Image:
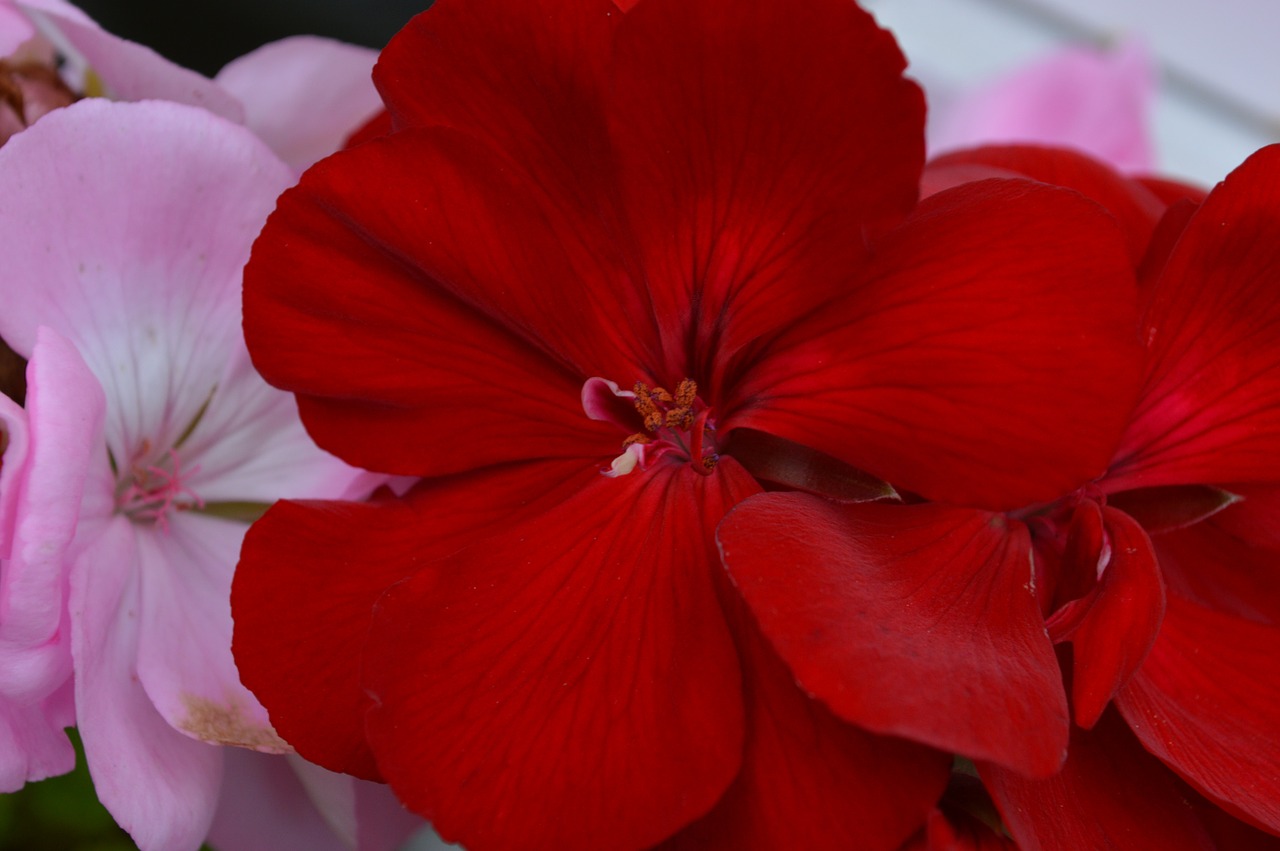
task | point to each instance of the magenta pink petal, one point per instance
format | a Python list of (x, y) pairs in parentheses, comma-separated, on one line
[(65, 411), (915, 621)]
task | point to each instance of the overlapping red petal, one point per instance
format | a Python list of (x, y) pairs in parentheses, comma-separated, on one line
[(1136, 208), (987, 358), (1112, 627), (1210, 406), (917, 621), (570, 682), (1110, 794), (332, 561), (1207, 703), (1228, 562), (855, 789)]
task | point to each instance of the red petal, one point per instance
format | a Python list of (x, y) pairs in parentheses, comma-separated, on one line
[(1171, 191), (808, 779), (310, 573), (416, 298), (1228, 562), (524, 76), (1175, 507), (1110, 794), (1207, 703), (1113, 627), (916, 621), (570, 683), (988, 358), (1135, 207), (1210, 407), (762, 144), (379, 125)]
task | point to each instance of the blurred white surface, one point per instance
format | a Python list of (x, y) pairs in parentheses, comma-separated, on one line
[(1218, 97)]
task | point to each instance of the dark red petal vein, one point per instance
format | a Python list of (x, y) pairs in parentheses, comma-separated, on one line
[(310, 573), (1210, 407), (569, 683), (762, 145), (416, 299)]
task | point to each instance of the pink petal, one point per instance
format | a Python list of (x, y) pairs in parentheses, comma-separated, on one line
[(128, 71), (160, 785), (65, 407), (917, 621), (930, 373), (33, 739), (184, 633), (1207, 703), (1209, 411), (577, 673), (304, 95), (1099, 103), (102, 213), (270, 803), (1109, 794), (365, 814)]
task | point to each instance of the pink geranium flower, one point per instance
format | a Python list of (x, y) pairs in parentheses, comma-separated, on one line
[(1096, 101), (125, 228), (579, 207)]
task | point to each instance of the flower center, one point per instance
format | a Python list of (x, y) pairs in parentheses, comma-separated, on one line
[(678, 425), (154, 485)]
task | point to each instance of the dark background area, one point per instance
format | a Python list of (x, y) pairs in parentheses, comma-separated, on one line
[(206, 34)]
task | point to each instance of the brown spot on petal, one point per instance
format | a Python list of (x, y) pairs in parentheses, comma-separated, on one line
[(229, 724)]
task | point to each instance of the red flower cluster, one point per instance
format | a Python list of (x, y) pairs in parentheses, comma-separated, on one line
[(761, 504)]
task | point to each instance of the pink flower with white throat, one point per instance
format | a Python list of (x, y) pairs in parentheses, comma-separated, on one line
[(124, 230)]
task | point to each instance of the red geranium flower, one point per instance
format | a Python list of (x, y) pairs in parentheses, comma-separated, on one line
[(1160, 574), (578, 207)]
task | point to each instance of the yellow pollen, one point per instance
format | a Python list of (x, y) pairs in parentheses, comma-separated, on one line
[(633, 439), (653, 420)]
